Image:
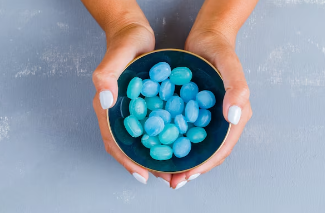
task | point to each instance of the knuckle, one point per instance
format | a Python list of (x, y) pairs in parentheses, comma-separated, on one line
[(100, 75)]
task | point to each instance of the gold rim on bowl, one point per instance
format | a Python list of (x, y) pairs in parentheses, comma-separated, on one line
[(109, 126)]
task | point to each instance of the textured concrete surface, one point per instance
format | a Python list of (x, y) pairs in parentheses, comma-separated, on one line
[(51, 155)]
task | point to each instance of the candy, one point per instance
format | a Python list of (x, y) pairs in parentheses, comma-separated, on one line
[(169, 134), (189, 91), (161, 152), (180, 75), (205, 99), (166, 90), (191, 111), (181, 147), (133, 126), (196, 134), (149, 141), (203, 119), (175, 106), (154, 103), (138, 108), (149, 88), (134, 88), (181, 123), (160, 72), (164, 114), (154, 125)]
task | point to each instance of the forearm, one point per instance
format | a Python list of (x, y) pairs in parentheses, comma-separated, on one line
[(112, 15), (224, 16)]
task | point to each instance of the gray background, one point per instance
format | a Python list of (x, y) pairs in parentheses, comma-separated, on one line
[(51, 155)]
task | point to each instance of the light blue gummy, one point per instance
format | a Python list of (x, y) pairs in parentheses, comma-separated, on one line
[(189, 91), (154, 103), (154, 125), (166, 90), (181, 147), (169, 134), (180, 75), (160, 72), (205, 99), (134, 88), (203, 119), (164, 114), (181, 123), (191, 111), (175, 106), (133, 126), (149, 141), (161, 152), (149, 88), (196, 134), (138, 108)]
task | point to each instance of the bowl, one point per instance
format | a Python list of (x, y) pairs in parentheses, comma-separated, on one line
[(205, 76)]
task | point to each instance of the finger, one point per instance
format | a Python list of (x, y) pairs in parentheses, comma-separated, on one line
[(163, 177), (138, 172), (226, 148), (178, 180)]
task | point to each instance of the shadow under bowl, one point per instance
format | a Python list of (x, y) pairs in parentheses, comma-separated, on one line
[(205, 76)]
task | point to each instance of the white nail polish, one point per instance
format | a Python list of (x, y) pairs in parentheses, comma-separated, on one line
[(181, 184), (164, 181), (139, 178), (234, 114), (192, 177), (106, 99)]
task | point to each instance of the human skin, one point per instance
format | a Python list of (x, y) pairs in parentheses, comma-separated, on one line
[(213, 36)]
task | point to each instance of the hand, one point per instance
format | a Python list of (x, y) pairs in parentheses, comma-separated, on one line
[(220, 51)]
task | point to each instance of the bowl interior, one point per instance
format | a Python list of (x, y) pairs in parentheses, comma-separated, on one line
[(205, 77)]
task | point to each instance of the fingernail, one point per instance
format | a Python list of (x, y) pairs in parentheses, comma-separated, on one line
[(163, 180), (192, 177), (106, 99), (181, 184), (234, 114), (139, 178)]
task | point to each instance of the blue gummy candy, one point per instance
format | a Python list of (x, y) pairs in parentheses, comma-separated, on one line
[(154, 125), (180, 75), (164, 114), (181, 147), (181, 123), (203, 119), (191, 111), (134, 88), (161, 152), (205, 99), (196, 134), (149, 88), (189, 91), (160, 72), (166, 90), (175, 106), (154, 103)]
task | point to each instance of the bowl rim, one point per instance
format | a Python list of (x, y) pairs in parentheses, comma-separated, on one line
[(109, 126)]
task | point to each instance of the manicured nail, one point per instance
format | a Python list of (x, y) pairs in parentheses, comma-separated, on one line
[(234, 114), (163, 180), (192, 177), (139, 178), (181, 184), (106, 99)]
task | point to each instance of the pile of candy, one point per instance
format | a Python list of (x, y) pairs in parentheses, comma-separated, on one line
[(171, 115)]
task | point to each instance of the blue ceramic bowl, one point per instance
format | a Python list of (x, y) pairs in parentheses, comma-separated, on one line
[(205, 76)]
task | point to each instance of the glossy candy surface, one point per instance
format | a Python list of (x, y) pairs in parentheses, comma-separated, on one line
[(205, 99), (175, 106), (161, 152), (169, 134), (166, 90), (154, 103), (191, 111), (189, 91), (133, 126), (138, 108), (154, 125), (134, 88), (180, 75), (181, 123), (160, 72), (196, 134), (149, 88), (181, 147), (164, 114), (203, 119), (149, 141)]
